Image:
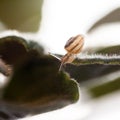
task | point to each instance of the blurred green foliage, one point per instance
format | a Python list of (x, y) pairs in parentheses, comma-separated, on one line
[(36, 85), (86, 70), (109, 87), (21, 15), (111, 17), (83, 73), (112, 50)]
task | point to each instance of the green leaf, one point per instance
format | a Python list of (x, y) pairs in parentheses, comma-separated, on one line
[(22, 15), (111, 17), (111, 50), (36, 85), (87, 72), (102, 89)]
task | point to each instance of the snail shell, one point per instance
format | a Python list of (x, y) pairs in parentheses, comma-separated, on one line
[(74, 44)]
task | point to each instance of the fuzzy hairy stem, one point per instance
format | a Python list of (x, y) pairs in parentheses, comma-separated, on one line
[(97, 59)]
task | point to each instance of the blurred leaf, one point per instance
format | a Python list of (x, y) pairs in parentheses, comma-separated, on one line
[(109, 50), (35, 86), (112, 17), (40, 76), (87, 72), (99, 90), (35, 46), (88, 67), (12, 48), (23, 15)]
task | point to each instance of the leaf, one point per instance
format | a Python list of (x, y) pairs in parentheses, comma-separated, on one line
[(82, 73), (23, 15), (111, 50), (12, 48), (92, 66), (39, 73), (102, 89), (112, 17), (89, 66), (35, 86)]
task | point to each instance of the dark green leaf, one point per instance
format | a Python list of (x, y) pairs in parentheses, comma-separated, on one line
[(87, 72), (36, 85)]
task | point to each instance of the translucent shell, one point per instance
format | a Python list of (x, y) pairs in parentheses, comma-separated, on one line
[(74, 44), (73, 47)]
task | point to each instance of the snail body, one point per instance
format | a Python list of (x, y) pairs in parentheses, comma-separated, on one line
[(73, 46)]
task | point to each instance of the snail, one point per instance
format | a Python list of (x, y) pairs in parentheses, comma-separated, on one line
[(73, 46)]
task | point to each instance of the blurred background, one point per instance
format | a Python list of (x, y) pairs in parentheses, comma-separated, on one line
[(51, 23)]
